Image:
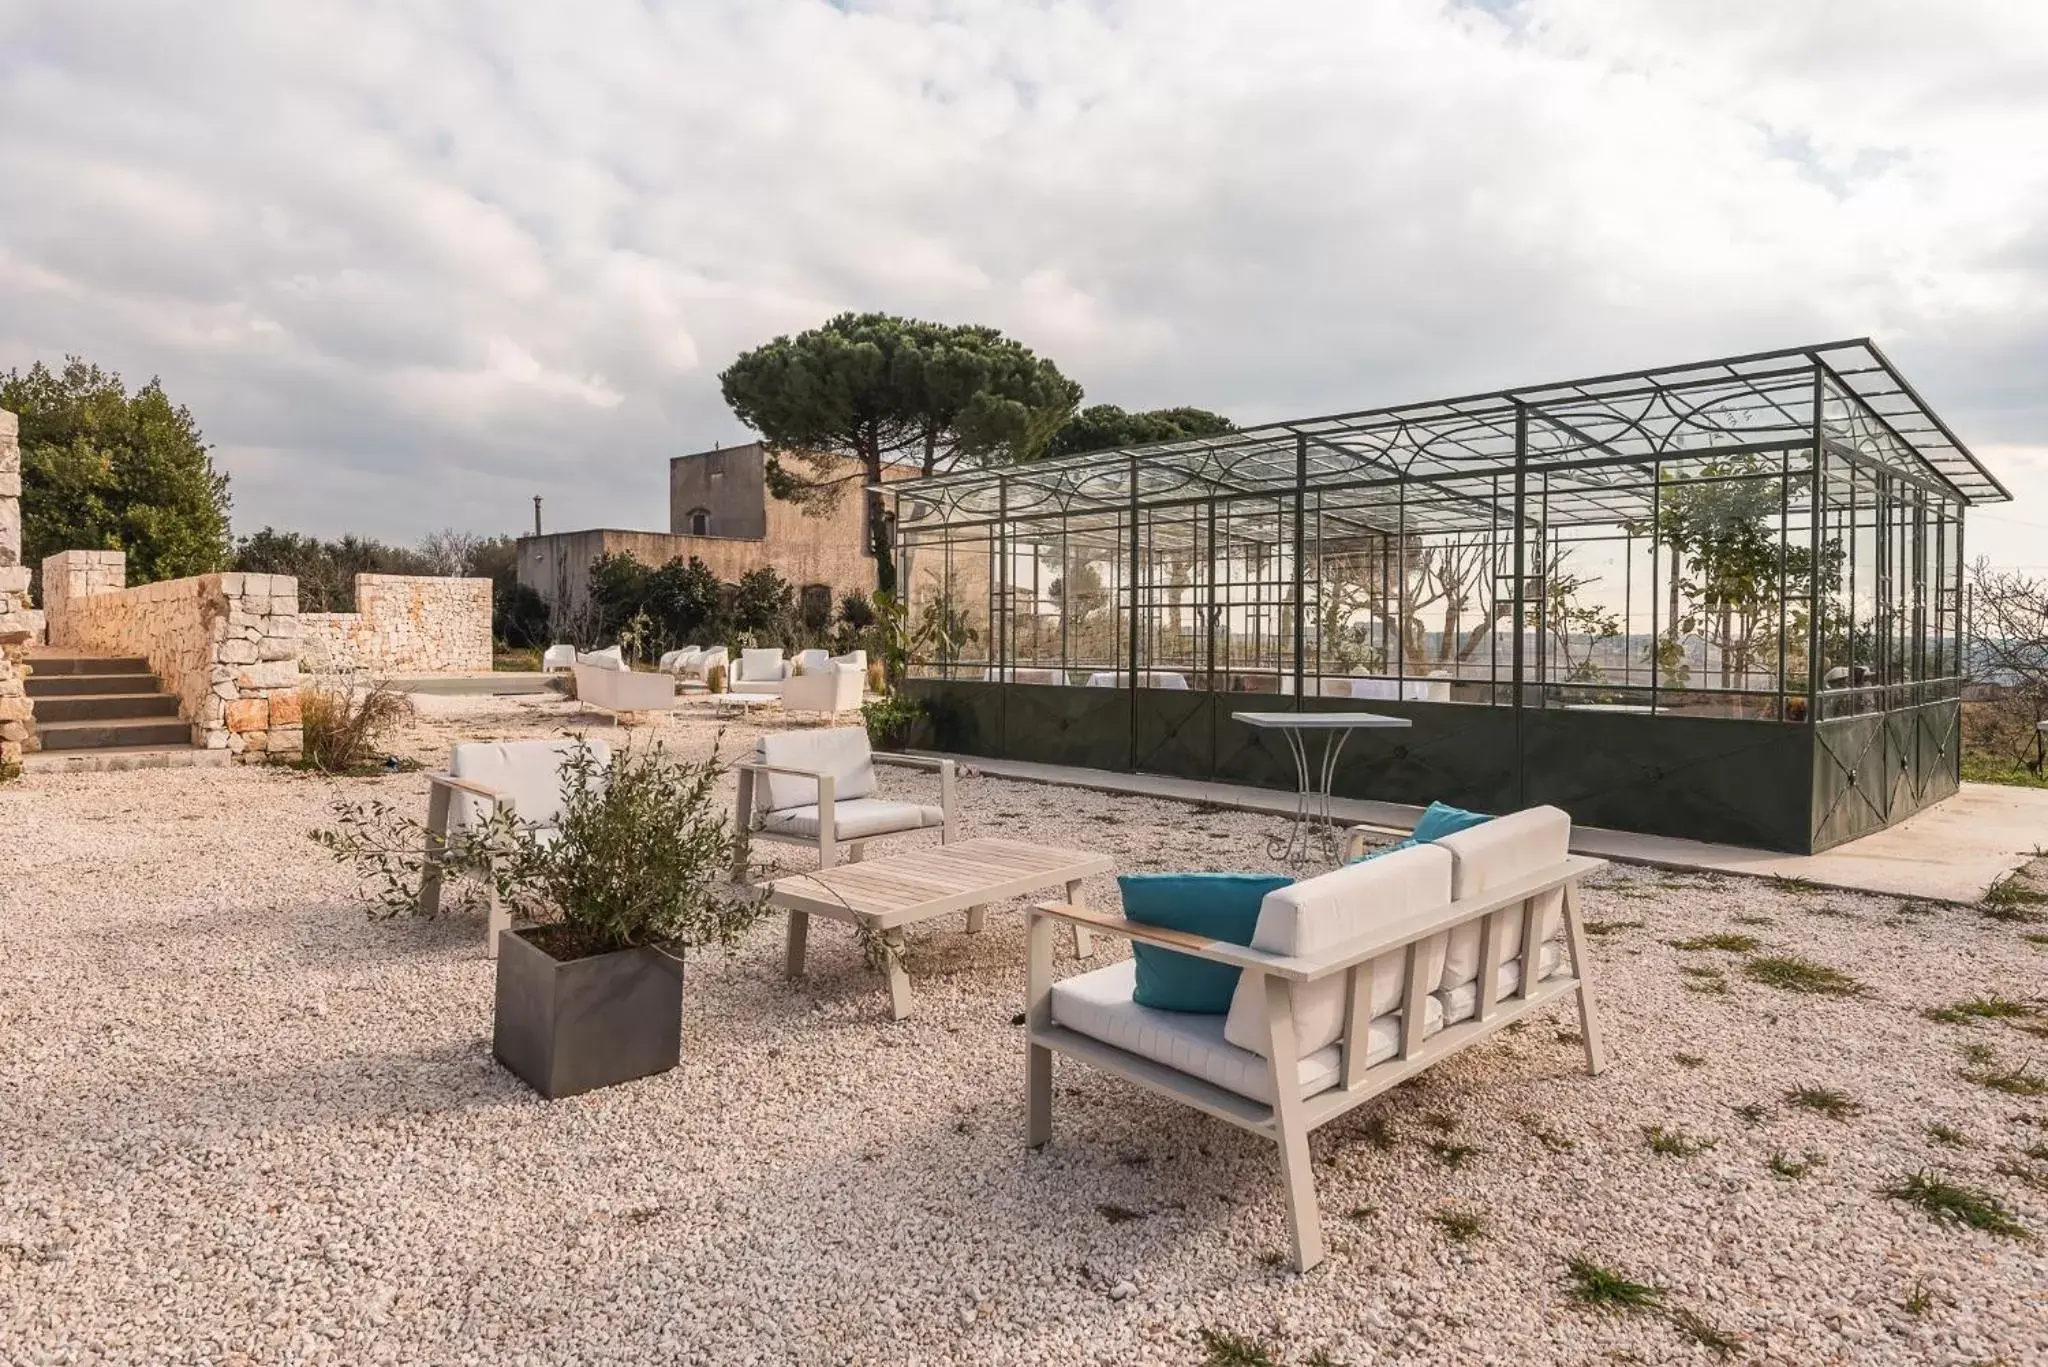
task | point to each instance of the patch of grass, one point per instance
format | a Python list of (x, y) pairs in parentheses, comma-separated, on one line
[(1951, 1202), (1734, 942), (1272, 1257), (1704, 1332), (1949, 1135), (1443, 1122), (1708, 981), (1794, 1168), (1979, 1053), (1755, 1112), (1798, 887), (1611, 927), (1549, 1139), (1222, 1349), (1914, 906), (2018, 1080), (1919, 1300), (1378, 1131), (1993, 1007), (1748, 920), (1453, 1155), (1118, 1215), (1829, 1101), (2012, 898), (2035, 938), (1361, 1213), (1791, 973), (1593, 1284), (1689, 1060), (1320, 1358), (1460, 1226), (1675, 1143)]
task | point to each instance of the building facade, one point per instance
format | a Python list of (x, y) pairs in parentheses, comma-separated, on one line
[(721, 512)]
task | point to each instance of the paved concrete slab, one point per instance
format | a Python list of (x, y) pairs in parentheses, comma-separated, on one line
[(1949, 853), (499, 682)]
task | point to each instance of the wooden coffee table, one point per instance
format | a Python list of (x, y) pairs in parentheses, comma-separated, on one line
[(885, 895)]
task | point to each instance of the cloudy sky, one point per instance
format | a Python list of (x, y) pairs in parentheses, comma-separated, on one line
[(411, 264)]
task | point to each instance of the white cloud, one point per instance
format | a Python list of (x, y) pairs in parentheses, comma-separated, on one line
[(411, 264)]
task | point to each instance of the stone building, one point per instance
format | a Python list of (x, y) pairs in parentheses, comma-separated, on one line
[(720, 511)]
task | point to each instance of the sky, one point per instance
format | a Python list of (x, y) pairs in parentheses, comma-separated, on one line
[(410, 265)]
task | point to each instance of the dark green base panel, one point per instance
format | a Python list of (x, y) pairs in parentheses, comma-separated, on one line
[(1767, 785)]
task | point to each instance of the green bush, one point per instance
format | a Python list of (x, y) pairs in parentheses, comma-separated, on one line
[(892, 719)]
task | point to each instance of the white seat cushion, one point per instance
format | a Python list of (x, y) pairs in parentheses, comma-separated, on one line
[(767, 688), (1495, 853), (1322, 913), (1461, 1002), (841, 751), (524, 773), (856, 819), (1098, 1004), (759, 665)]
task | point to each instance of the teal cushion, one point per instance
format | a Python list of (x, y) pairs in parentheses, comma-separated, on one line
[(1221, 906), (1410, 843), (1440, 821)]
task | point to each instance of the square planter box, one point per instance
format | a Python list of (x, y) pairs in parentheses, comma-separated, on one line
[(569, 1026)]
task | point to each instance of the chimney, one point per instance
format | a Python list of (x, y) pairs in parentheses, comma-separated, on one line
[(536, 514)]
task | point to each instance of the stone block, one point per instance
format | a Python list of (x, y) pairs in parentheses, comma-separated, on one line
[(277, 649), (231, 585), (238, 652), (14, 579), (286, 708), (277, 672), (248, 714), (215, 740)]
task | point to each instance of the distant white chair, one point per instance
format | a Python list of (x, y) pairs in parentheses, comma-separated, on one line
[(818, 788), (676, 661), (1158, 678), (1354, 982), (622, 690), (699, 668), (808, 660), (857, 658), (1038, 676), (523, 775), (1435, 688), (831, 689), (557, 659), (758, 671), (611, 657)]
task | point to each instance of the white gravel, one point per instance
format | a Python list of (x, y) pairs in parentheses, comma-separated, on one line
[(241, 1123)]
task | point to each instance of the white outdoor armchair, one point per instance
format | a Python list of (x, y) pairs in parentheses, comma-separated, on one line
[(558, 659), (624, 690), (1354, 982), (677, 661), (757, 671), (830, 689), (523, 775), (818, 788)]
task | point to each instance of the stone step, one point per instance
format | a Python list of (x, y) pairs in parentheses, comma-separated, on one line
[(88, 664), (105, 707), (118, 758), (101, 735), (41, 685)]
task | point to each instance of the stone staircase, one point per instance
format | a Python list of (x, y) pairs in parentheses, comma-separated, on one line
[(98, 707)]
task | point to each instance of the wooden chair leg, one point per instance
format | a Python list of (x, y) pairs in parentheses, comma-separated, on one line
[(1084, 942), (793, 948), (899, 979), (500, 922), (977, 917), (437, 844), (1037, 1015), (1290, 1123), (1589, 1015)]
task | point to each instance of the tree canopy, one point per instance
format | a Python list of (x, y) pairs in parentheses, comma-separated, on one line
[(104, 469), (1103, 426), (893, 390)]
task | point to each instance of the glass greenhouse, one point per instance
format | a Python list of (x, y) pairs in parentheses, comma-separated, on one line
[(1718, 600)]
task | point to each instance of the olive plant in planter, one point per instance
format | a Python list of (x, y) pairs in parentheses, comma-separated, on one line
[(590, 986)]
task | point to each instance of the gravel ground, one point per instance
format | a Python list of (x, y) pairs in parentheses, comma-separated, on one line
[(241, 1123)]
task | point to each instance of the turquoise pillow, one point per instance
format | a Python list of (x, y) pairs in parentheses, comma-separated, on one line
[(1220, 906), (1440, 821)]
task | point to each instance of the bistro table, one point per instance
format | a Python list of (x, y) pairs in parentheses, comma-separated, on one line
[(1312, 795)]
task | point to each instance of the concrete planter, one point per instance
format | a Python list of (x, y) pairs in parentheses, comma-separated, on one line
[(568, 1026)]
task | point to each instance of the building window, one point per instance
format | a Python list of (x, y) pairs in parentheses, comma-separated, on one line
[(700, 522)]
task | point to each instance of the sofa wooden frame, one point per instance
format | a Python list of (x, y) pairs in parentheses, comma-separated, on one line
[(1288, 1121)]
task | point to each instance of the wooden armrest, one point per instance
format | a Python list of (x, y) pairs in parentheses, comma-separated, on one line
[(757, 767), (914, 761), (465, 785), (1186, 942)]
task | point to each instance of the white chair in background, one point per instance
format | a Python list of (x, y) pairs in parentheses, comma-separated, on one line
[(623, 690), (831, 690), (557, 659), (818, 788), (808, 660), (758, 671), (857, 658), (676, 661), (611, 657), (698, 669), (522, 775)]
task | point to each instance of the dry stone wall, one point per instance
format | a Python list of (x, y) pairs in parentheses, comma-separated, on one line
[(18, 626), (226, 644), (404, 624)]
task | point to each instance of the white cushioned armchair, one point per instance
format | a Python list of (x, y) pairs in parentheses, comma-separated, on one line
[(1354, 982), (523, 775), (818, 788), (830, 688), (757, 671)]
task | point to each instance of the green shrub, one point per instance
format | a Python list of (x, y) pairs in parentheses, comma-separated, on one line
[(892, 719)]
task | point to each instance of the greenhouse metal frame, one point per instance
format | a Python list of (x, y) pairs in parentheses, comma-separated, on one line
[(1719, 600)]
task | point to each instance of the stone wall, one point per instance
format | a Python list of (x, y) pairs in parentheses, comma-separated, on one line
[(72, 578), (404, 624), (17, 624), (226, 644)]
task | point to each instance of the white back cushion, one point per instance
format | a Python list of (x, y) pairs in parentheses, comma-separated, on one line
[(857, 658), (524, 773), (760, 664), (841, 751), (558, 657), (813, 660), (611, 657), (1497, 852), (1322, 913)]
